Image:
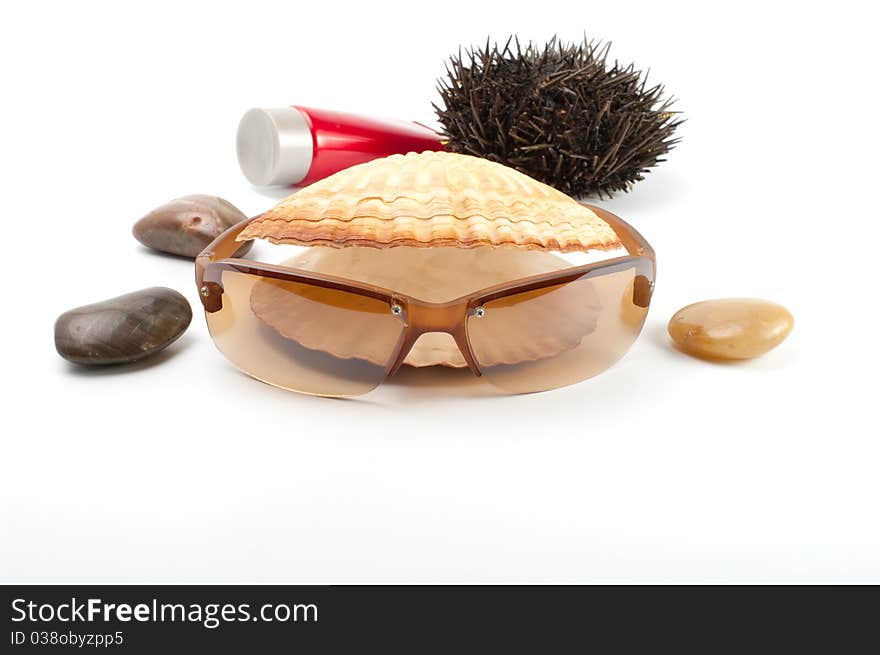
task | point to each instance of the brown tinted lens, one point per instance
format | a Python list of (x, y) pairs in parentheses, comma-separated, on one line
[(559, 335), (305, 337)]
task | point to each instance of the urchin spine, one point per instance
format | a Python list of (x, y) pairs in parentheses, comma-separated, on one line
[(561, 113)]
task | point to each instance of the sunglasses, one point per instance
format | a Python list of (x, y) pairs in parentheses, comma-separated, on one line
[(330, 336)]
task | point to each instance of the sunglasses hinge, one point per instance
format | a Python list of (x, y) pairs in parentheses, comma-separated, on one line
[(211, 295), (643, 289)]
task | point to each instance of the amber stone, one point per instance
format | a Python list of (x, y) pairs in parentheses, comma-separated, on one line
[(185, 226), (123, 329), (730, 328)]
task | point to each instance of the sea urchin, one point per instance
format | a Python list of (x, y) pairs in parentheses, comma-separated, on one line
[(562, 114)]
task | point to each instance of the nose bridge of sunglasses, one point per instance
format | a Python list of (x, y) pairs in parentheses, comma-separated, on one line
[(423, 317), (426, 318)]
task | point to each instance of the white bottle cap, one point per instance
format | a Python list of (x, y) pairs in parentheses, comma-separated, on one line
[(274, 146)]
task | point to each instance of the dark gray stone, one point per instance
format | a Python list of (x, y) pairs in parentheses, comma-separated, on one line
[(123, 329)]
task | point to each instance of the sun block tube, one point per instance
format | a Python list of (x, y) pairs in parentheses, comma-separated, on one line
[(295, 146)]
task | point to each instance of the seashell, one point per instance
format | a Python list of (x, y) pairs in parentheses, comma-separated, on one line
[(185, 226), (122, 329), (433, 275), (433, 199)]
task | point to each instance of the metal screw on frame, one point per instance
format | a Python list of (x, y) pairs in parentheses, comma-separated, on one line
[(205, 291), (479, 312), (396, 309)]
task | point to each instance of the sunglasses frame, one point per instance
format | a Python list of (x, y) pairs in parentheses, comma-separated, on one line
[(419, 316)]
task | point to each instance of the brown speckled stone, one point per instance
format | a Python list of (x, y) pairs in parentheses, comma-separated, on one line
[(185, 226)]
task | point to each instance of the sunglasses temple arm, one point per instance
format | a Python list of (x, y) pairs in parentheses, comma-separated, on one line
[(634, 242), (222, 247), (637, 246)]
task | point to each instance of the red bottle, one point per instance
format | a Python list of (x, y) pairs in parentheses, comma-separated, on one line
[(297, 145)]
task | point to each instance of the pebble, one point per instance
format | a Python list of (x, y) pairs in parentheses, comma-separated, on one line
[(730, 328), (123, 329), (185, 226)]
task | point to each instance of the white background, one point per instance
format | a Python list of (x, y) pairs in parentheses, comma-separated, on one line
[(664, 468)]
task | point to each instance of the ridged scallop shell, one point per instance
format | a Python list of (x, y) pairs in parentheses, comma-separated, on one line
[(433, 199), (432, 275)]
